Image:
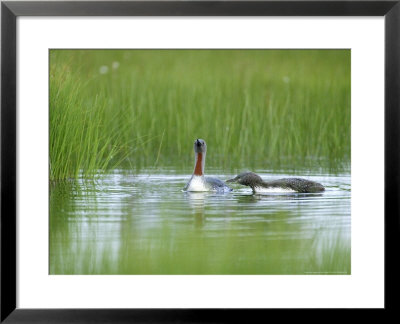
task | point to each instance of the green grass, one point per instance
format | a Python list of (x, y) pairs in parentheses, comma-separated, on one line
[(257, 109)]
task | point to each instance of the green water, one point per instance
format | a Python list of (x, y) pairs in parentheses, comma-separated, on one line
[(127, 223)]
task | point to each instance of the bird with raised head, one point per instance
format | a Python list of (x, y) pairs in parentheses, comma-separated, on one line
[(198, 181)]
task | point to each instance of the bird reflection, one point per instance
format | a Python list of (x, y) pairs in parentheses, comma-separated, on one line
[(254, 198), (197, 202)]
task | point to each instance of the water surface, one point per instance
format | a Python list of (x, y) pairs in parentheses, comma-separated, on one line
[(126, 223)]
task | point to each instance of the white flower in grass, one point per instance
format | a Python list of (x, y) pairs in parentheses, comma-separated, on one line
[(286, 79), (115, 65), (103, 69)]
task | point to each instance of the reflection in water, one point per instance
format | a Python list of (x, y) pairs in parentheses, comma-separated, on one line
[(146, 224), (196, 200)]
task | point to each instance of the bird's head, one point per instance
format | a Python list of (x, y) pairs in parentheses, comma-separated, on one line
[(200, 146), (246, 179)]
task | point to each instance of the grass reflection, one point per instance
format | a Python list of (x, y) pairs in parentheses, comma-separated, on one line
[(99, 229)]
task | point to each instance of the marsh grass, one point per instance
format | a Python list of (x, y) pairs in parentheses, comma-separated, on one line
[(266, 109)]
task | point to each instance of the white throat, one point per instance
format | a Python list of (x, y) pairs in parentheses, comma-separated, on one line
[(197, 183)]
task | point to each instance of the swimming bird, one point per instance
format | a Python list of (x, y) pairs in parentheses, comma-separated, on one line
[(258, 185), (199, 182)]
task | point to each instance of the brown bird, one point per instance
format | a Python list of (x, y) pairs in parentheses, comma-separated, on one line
[(255, 182)]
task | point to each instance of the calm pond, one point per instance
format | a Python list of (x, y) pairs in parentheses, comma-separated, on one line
[(125, 223)]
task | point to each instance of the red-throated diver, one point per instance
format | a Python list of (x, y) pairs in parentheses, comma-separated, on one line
[(258, 185), (198, 182)]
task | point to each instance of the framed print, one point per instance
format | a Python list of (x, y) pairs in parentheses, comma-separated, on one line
[(290, 112)]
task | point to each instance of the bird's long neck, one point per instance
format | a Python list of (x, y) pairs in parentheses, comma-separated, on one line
[(200, 161)]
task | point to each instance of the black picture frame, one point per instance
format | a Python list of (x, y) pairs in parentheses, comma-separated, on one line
[(11, 10)]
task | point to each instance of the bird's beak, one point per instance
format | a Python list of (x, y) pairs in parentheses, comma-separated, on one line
[(232, 180)]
